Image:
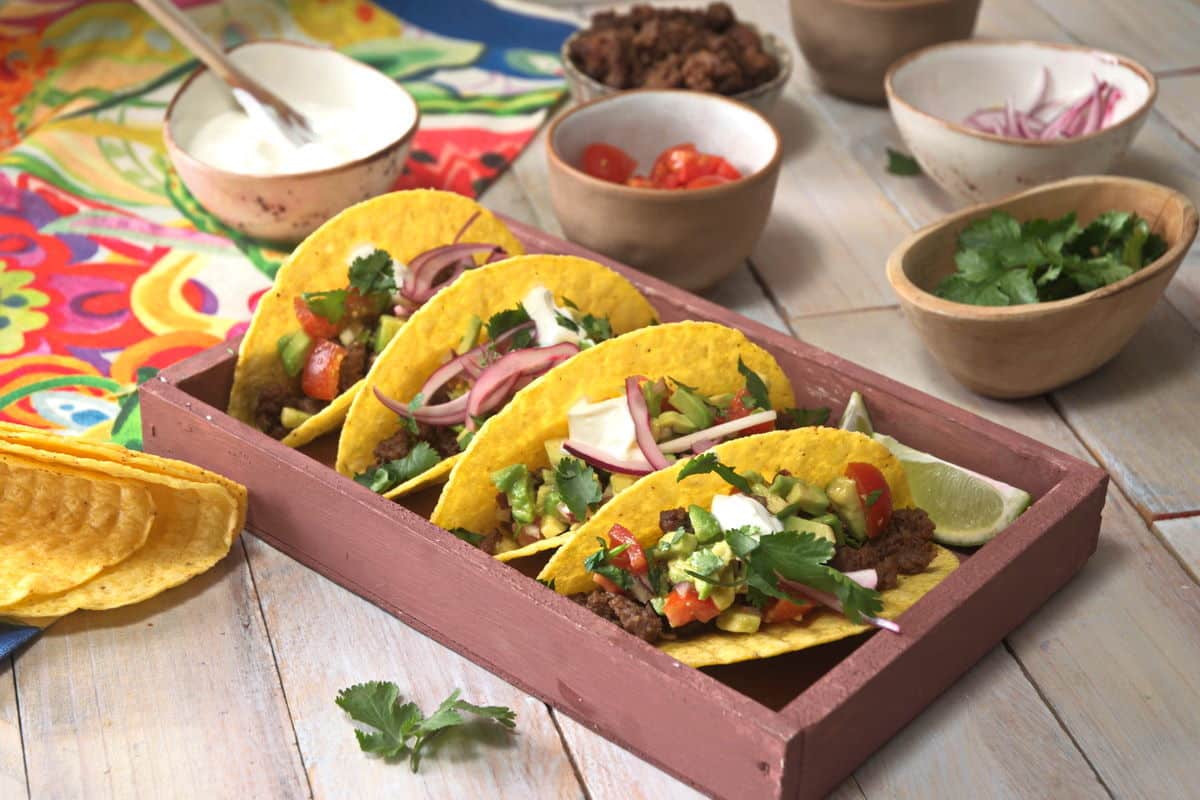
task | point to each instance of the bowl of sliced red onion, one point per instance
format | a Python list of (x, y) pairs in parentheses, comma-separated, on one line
[(988, 118)]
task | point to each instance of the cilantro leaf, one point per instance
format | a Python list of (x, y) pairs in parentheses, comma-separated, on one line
[(598, 329), (872, 497), (402, 728), (373, 273), (504, 321), (329, 305), (791, 418), (800, 558), (708, 462), (566, 322), (470, 537), (755, 386), (578, 485), (600, 563), (421, 458), (901, 163)]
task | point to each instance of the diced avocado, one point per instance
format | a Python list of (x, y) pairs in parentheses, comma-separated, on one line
[(782, 486), (675, 422), (740, 619), (721, 401), (293, 349), (801, 525), (464, 438), (677, 571), (389, 326), (758, 483), (517, 485), (692, 406), (504, 544), (704, 524), (776, 504), (808, 498), (554, 451), (657, 604), (679, 544), (722, 596), (834, 522), (470, 335), (552, 526), (709, 561), (292, 417), (620, 483), (843, 493)]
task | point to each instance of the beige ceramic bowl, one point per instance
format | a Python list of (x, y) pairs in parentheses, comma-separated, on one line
[(1020, 351), (931, 91), (849, 44), (585, 88), (286, 208), (691, 237)]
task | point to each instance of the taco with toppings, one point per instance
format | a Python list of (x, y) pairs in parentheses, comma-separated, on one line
[(589, 430), (463, 356), (765, 545), (343, 294)]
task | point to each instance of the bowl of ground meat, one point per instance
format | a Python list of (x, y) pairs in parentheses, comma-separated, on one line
[(704, 50)]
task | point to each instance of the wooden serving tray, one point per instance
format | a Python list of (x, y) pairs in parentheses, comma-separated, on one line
[(792, 726)]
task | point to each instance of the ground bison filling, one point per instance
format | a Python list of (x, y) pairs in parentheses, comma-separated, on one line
[(674, 48), (631, 615), (272, 401), (400, 444)]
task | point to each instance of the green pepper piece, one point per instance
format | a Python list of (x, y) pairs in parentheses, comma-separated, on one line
[(293, 349)]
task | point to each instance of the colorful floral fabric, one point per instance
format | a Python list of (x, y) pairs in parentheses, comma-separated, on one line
[(108, 266)]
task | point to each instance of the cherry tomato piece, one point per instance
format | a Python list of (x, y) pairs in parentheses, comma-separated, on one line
[(727, 170), (633, 558), (313, 324), (322, 370), (608, 163), (705, 181), (682, 607), (777, 610), (875, 494), (738, 409)]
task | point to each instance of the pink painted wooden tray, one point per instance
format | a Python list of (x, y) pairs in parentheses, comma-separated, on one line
[(792, 726)]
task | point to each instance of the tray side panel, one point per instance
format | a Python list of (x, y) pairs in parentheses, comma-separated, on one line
[(528, 635)]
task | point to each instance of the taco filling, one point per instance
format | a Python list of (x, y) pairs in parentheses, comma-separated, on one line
[(611, 443), (493, 361), (339, 332), (771, 552)]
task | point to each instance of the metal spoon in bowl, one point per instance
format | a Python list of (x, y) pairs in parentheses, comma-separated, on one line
[(255, 99)]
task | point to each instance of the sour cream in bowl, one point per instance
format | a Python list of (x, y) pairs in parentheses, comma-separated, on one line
[(245, 173)]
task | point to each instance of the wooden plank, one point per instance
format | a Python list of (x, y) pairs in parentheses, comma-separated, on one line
[(326, 639), (174, 697), (1183, 537), (989, 736), (12, 762), (1138, 414), (1113, 651)]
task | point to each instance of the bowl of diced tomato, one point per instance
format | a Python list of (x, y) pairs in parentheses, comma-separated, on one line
[(676, 183)]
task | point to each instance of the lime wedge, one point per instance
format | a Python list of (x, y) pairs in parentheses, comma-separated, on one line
[(855, 417), (967, 508)]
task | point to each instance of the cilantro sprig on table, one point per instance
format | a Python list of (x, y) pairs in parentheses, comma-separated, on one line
[(1001, 261), (390, 475), (401, 728), (901, 163)]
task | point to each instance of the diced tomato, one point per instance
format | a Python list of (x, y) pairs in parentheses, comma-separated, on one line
[(683, 605), (605, 584), (777, 610), (315, 326), (877, 507), (633, 558), (322, 370), (364, 306), (737, 409), (640, 182), (705, 181), (729, 171), (608, 163), (677, 166)]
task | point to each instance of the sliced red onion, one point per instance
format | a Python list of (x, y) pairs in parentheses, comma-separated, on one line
[(602, 460), (641, 424), (1042, 95), (499, 378), (704, 444), (716, 432), (529, 534), (470, 221), (451, 413), (864, 577), (419, 284), (1084, 116), (826, 599), (443, 375)]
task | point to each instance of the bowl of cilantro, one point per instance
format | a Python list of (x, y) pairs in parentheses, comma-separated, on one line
[(1029, 293)]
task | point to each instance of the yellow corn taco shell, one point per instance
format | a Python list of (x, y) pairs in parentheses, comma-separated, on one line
[(422, 345), (815, 455), (700, 354), (405, 224)]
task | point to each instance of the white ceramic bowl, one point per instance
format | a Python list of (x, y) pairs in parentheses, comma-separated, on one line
[(286, 208), (932, 90)]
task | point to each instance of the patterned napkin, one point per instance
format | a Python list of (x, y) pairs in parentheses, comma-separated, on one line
[(109, 269)]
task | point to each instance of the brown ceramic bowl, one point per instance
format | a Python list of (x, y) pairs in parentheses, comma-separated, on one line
[(584, 87), (849, 44), (1020, 351), (691, 237), (286, 208)]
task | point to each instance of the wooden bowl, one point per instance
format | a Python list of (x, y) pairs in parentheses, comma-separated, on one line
[(932, 91), (690, 237), (286, 208), (1020, 351), (585, 88), (849, 44)]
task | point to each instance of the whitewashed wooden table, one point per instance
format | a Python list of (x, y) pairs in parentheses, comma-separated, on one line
[(225, 687)]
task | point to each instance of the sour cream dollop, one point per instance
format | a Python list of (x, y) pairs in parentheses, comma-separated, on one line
[(540, 306), (606, 426), (735, 511)]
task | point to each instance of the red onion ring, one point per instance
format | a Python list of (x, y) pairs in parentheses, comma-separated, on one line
[(451, 413), (641, 424), (602, 460), (500, 378), (716, 432), (418, 285)]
